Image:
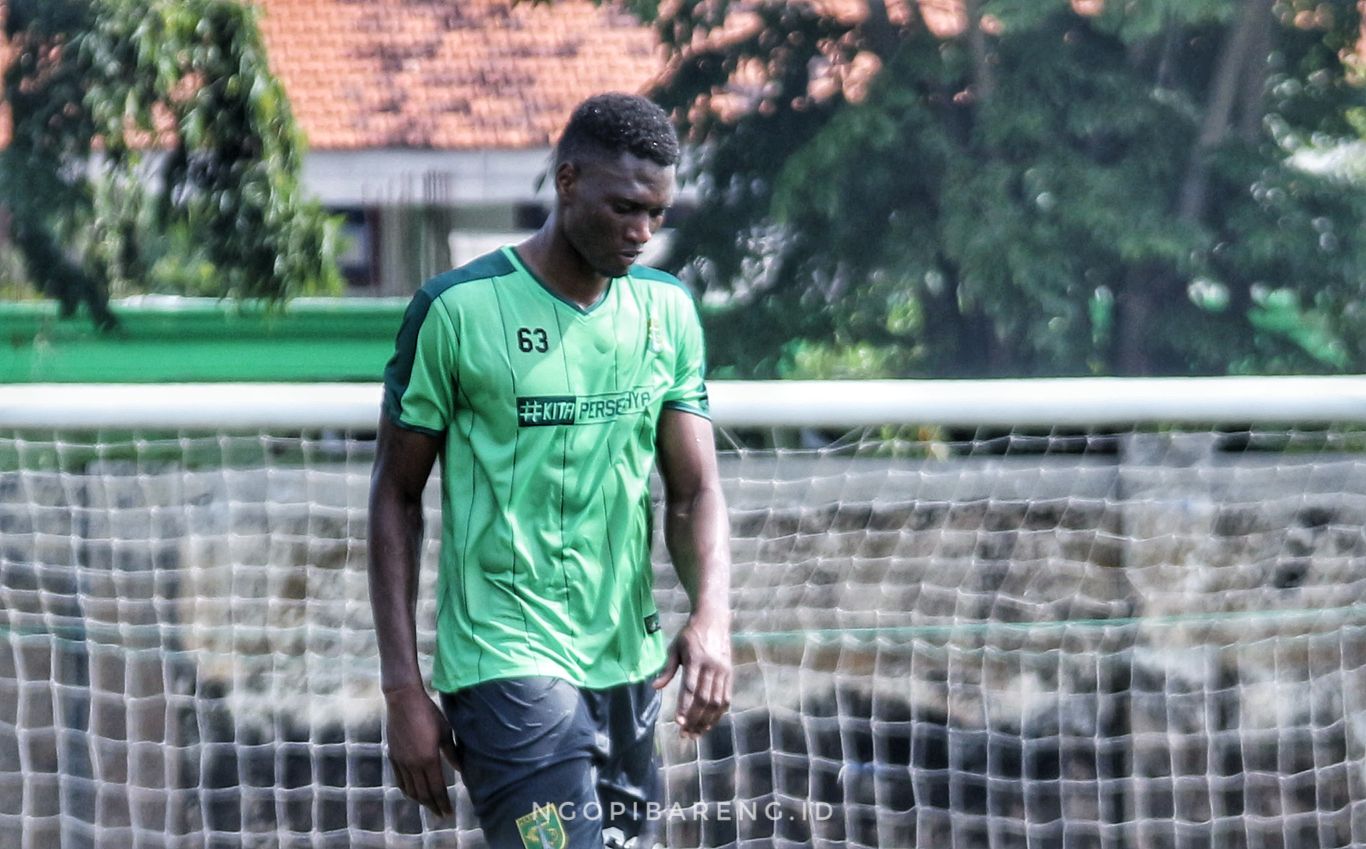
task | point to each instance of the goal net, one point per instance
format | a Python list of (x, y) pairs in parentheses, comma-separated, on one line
[(1065, 613)]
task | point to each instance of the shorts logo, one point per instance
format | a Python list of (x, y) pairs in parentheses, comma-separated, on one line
[(547, 410), (542, 829)]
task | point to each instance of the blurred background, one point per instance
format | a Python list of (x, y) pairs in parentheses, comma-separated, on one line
[(873, 188), (1014, 613)]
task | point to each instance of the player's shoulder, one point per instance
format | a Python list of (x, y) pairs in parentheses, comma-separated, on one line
[(486, 268), (650, 274), (663, 285)]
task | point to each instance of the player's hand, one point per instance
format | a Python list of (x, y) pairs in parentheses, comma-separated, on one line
[(419, 737), (702, 651)]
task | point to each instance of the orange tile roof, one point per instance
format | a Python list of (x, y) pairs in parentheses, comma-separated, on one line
[(473, 74), (449, 74)]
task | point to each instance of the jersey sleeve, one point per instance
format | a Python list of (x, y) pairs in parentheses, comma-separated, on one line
[(419, 381), (689, 390)]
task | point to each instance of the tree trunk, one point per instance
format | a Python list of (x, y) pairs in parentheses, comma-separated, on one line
[(1134, 311), (1253, 85), (969, 334), (882, 36), (984, 79), (1148, 287), (1237, 59)]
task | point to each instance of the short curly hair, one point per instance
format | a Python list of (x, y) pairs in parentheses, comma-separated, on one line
[(616, 123)]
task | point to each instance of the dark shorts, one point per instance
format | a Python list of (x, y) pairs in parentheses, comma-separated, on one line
[(541, 757)]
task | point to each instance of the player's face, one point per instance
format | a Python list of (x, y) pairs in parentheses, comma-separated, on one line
[(611, 207)]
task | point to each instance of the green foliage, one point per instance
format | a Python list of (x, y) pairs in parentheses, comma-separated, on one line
[(1045, 193), (153, 151)]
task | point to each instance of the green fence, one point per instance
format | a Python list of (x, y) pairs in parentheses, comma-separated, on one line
[(167, 340)]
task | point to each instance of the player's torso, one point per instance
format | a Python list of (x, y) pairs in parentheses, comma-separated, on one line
[(536, 369), (547, 466)]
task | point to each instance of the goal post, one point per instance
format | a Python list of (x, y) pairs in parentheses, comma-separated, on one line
[(1067, 612), (1046, 402)]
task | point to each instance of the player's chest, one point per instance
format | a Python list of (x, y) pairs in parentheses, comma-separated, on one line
[(552, 365)]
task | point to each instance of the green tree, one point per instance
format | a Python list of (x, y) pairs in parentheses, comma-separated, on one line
[(1042, 190), (152, 150)]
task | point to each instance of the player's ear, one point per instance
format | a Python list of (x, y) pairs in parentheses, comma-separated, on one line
[(566, 177)]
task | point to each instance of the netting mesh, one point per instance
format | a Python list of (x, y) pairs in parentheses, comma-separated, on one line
[(944, 639)]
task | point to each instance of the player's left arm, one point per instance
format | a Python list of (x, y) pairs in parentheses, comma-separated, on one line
[(697, 532)]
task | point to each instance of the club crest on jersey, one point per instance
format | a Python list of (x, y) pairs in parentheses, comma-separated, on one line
[(654, 339), (542, 828)]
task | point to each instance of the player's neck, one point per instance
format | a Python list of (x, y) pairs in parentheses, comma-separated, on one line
[(560, 268)]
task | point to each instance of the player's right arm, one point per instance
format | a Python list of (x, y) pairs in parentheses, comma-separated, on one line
[(417, 731), (418, 402)]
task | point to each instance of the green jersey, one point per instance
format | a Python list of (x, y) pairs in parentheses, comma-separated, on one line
[(547, 413)]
